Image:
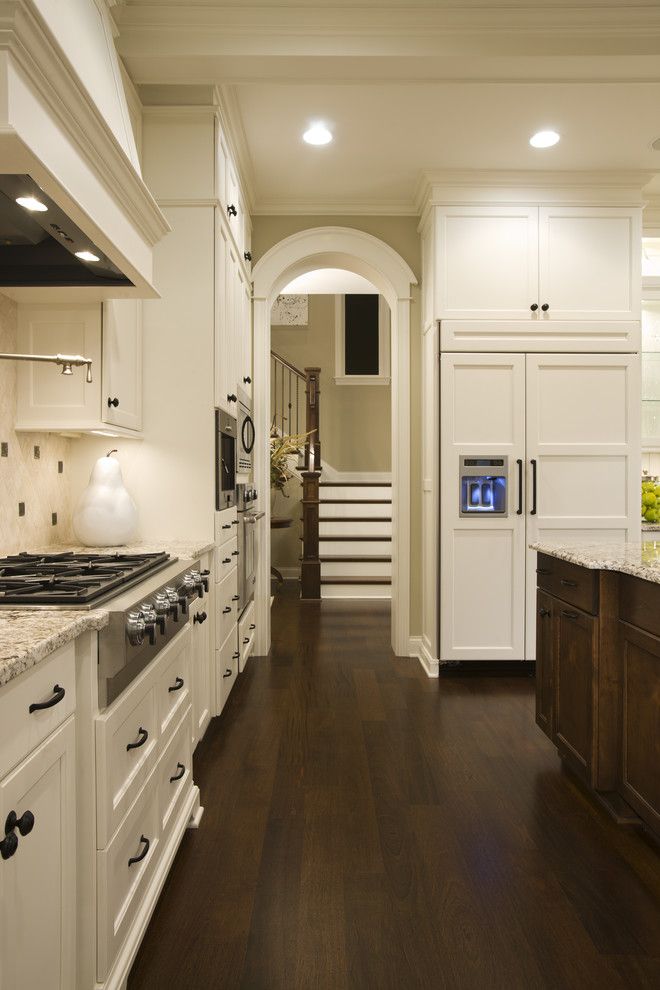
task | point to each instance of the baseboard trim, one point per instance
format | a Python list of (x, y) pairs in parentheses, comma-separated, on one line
[(416, 648)]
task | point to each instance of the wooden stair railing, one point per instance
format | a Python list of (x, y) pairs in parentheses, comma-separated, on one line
[(287, 384)]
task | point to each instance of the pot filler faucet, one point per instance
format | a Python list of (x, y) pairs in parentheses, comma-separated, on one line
[(67, 362)]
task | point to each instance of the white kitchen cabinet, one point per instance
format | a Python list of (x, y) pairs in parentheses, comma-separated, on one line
[(568, 429), (111, 336), (201, 618), (528, 277), (38, 882)]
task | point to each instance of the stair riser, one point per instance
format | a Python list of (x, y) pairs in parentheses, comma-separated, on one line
[(355, 548), (368, 494), (382, 591), (357, 568), (365, 528), (348, 511)]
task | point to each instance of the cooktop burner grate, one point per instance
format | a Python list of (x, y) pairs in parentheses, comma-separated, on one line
[(71, 578)]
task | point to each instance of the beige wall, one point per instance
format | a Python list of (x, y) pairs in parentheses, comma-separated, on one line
[(23, 477), (401, 234)]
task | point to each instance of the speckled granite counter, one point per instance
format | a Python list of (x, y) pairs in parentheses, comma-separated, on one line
[(28, 636), (650, 528), (177, 548), (640, 560)]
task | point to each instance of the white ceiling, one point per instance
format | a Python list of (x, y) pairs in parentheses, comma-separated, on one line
[(408, 87)]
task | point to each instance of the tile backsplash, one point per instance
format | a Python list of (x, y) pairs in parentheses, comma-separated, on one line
[(34, 496)]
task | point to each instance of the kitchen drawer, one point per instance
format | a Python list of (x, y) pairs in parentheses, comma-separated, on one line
[(173, 686), (226, 659), (575, 585), (174, 773), (246, 631), (121, 884), (226, 559), (126, 752), (226, 526), (639, 603), (21, 731), (226, 607)]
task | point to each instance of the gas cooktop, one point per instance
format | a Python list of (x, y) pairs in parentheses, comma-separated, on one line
[(72, 580)]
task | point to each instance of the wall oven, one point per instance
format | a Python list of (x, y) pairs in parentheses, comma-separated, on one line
[(248, 544), (225, 460), (245, 436)]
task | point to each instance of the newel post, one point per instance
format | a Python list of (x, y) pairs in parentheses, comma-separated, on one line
[(312, 417), (310, 569)]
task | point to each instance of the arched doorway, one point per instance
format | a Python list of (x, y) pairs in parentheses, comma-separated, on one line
[(354, 251)]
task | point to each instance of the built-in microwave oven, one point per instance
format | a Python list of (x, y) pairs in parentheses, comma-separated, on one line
[(245, 436), (225, 460)]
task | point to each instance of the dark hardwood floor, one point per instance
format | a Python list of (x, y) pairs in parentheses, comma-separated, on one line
[(367, 827)]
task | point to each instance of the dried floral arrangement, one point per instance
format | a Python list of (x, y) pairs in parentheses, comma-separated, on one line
[(282, 448)]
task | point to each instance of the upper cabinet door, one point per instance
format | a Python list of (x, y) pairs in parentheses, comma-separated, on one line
[(121, 400), (590, 263), (486, 262), (48, 400)]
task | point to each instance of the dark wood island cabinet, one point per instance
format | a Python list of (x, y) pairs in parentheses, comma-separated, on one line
[(598, 680)]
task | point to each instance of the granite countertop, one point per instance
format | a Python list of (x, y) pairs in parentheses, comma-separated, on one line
[(28, 636), (650, 527), (177, 548), (640, 560)]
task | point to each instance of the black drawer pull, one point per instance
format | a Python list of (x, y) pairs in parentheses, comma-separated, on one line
[(235, 553), (143, 736), (58, 695), (140, 856), (177, 776), (227, 673), (178, 684), (252, 625), (235, 598), (543, 612), (227, 526), (569, 615), (234, 522), (568, 584), (543, 570), (9, 845), (246, 640), (235, 656), (227, 560), (24, 824), (226, 610)]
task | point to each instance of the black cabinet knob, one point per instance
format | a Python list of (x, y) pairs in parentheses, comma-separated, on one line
[(543, 612), (200, 617), (534, 307), (247, 255), (24, 824), (231, 397), (545, 307), (247, 380), (9, 845), (232, 211), (113, 402)]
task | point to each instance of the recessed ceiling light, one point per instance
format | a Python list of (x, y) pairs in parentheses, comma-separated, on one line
[(317, 134), (87, 256), (32, 204), (544, 139)]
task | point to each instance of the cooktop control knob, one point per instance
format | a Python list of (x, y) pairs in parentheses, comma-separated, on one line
[(163, 607), (201, 582), (151, 620), (172, 597), (135, 628)]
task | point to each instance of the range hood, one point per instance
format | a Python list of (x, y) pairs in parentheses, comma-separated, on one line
[(41, 246), (66, 141)]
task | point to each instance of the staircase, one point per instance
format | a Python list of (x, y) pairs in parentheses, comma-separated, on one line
[(355, 539)]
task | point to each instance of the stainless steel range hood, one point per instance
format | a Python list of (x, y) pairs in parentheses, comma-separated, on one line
[(41, 246)]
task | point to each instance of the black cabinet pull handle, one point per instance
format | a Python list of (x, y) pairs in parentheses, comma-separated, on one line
[(140, 856), (543, 612), (178, 684), (227, 673), (234, 522), (534, 307), (543, 570), (545, 307), (227, 560), (226, 610), (143, 736), (200, 617), (235, 656), (235, 598), (532, 511), (113, 402), (9, 845), (232, 211), (24, 824), (252, 625), (568, 584), (177, 776), (58, 695), (520, 486), (227, 526), (246, 640), (235, 553), (569, 615)]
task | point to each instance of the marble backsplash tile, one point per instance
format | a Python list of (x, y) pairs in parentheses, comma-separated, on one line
[(34, 498)]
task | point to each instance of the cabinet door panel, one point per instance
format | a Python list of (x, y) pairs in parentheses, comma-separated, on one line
[(640, 751), (590, 263), (201, 666), (482, 593), (486, 262), (583, 433), (38, 883), (122, 363), (574, 683), (221, 329), (545, 662)]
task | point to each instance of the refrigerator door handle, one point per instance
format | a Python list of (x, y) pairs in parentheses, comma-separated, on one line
[(520, 487), (532, 511)]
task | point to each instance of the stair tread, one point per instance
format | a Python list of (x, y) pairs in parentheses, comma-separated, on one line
[(362, 519), (355, 484), (356, 580), (355, 539), (365, 559), (356, 501)]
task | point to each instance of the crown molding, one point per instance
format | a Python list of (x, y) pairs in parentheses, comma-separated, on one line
[(26, 39), (385, 208)]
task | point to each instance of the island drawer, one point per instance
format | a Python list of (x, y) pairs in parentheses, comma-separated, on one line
[(639, 603), (572, 584)]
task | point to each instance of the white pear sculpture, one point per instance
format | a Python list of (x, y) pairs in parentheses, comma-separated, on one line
[(106, 515)]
